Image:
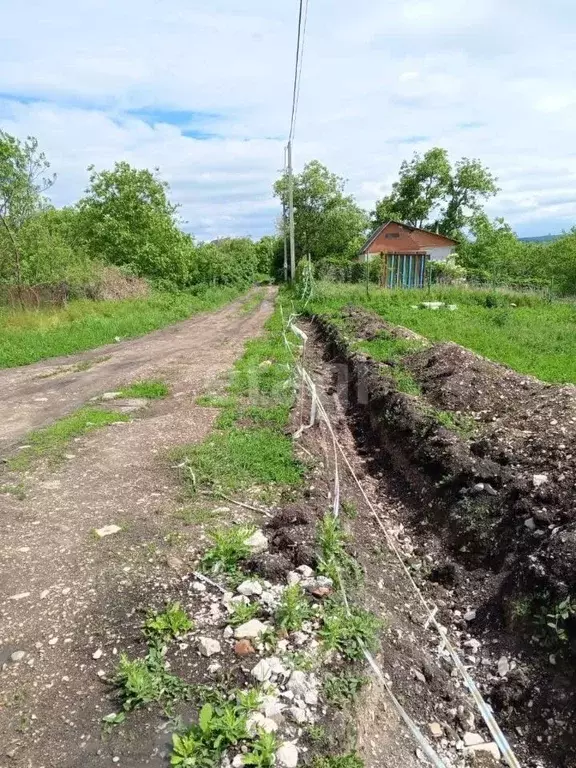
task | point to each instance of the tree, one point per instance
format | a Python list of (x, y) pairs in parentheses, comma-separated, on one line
[(126, 218), (327, 222), (23, 181), (420, 190), (430, 193)]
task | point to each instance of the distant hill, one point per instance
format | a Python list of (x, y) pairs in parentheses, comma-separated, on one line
[(540, 239)]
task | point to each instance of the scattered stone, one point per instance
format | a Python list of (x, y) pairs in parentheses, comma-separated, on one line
[(97, 654), (293, 578), (489, 747), (474, 645), (213, 668), (53, 641), (257, 543), (472, 739), (244, 648), (530, 523), (299, 715), (436, 730), (418, 675), (470, 615), (258, 722), (17, 656), (199, 586), (249, 588), (19, 596), (208, 647), (228, 632), (538, 480), (110, 395), (503, 666), (305, 571), (300, 684), (251, 630), (262, 671), (287, 755), (108, 530), (238, 761)]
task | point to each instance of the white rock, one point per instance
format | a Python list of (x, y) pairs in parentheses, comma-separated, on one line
[(300, 684), (530, 523), (251, 630), (198, 586), (538, 480), (305, 571), (299, 715), (228, 632), (257, 543), (108, 530), (269, 599), (299, 638), (293, 578), (311, 698), (213, 668), (277, 667), (474, 645), (490, 747), (249, 588), (258, 722), (238, 761), (470, 615), (287, 755), (472, 739), (272, 707), (208, 647), (503, 666), (19, 596), (262, 671), (436, 730), (97, 654), (110, 395), (17, 656)]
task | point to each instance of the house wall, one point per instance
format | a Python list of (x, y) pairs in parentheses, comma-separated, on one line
[(440, 254)]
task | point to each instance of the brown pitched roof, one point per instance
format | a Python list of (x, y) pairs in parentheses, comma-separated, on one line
[(411, 234)]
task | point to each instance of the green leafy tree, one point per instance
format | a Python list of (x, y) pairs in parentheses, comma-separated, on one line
[(127, 219), (327, 222), (420, 190), (24, 178), (430, 193)]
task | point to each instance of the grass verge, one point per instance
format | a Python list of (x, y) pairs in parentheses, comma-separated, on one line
[(152, 389), (50, 443), (523, 331), (30, 335), (249, 449)]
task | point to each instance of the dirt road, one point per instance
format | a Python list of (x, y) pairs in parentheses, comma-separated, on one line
[(69, 600)]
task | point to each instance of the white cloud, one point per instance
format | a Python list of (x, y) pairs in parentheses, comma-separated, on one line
[(381, 78)]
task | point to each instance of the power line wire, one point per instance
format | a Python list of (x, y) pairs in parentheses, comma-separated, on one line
[(302, 22)]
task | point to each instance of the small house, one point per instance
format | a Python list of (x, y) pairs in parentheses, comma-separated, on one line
[(405, 250)]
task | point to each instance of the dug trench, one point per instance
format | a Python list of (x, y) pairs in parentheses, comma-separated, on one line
[(480, 464)]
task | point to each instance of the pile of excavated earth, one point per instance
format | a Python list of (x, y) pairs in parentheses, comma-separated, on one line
[(483, 460)]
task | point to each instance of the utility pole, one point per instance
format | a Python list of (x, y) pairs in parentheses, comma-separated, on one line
[(285, 233), (291, 213)]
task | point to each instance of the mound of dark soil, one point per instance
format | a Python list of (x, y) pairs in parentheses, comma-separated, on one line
[(498, 495)]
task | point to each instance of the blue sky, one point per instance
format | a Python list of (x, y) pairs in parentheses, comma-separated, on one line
[(202, 90)]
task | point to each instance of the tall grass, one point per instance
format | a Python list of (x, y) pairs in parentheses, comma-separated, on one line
[(521, 330), (27, 336)]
